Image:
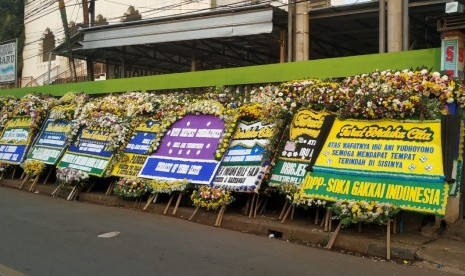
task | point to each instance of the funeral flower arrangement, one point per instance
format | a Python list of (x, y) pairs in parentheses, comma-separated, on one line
[(211, 198), (292, 193), (139, 104), (169, 111), (7, 105), (350, 212), (268, 113), (380, 94), (33, 167), (105, 113), (228, 115), (166, 186), (305, 202), (35, 107), (286, 99), (68, 107), (69, 177), (130, 187)]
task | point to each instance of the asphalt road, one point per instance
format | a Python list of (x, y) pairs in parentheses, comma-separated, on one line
[(40, 235)]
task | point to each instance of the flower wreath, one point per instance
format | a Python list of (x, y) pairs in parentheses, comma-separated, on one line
[(104, 113), (33, 167), (350, 212), (176, 112), (130, 187), (211, 198), (35, 107), (267, 112), (139, 104), (293, 194), (167, 187), (68, 107), (380, 94), (70, 178), (7, 105)]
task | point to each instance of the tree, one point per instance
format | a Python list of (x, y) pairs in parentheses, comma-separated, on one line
[(12, 25), (131, 15)]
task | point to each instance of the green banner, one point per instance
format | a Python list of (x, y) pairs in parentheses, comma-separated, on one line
[(288, 172), (427, 196), (90, 164), (48, 155)]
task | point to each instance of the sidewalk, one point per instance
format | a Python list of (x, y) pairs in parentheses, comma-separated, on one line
[(446, 253)]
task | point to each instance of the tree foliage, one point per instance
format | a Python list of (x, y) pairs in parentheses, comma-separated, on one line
[(12, 23)]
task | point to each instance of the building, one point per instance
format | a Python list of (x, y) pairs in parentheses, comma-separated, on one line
[(44, 31)]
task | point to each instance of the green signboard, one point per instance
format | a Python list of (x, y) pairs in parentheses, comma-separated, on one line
[(427, 195)]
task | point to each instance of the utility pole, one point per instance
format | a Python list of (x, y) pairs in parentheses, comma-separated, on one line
[(89, 63), (382, 26), (92, 12), (85, 12), (72, 68), (302, 38), (290, 30), (405, 26), (394, 24)]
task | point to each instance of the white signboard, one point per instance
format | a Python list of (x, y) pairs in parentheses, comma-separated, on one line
[(8, 62)]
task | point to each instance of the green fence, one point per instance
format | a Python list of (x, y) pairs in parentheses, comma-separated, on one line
[(322, 69)]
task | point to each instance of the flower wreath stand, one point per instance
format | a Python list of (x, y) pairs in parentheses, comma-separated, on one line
[(13, 174), (288, 190), (211, 198), (111, 187), (357, 212), (69, 178), (48, 175), (168, 205), (253, 204), (153, 198), (32, 170), (169, 187)]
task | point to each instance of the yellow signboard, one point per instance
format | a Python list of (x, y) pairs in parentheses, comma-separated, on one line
[(384, 146), (128, 165), (307, 122)]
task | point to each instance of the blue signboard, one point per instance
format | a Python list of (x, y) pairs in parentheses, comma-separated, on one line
[(89, 152), (131, 160), (12, 153), (14, 140), (200, 172), (143, 136), (51, 142), (91, 141)]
